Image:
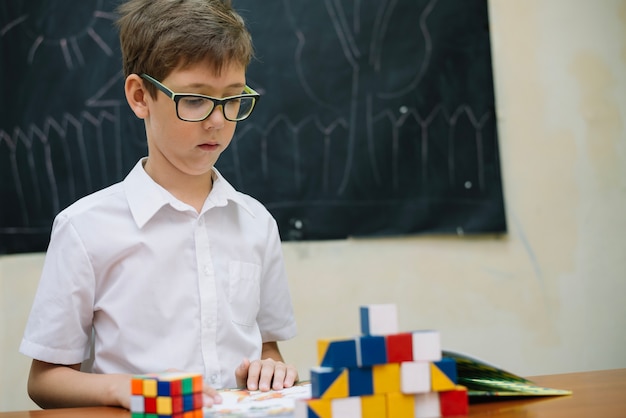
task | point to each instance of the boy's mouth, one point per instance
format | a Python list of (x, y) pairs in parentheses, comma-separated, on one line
[(208, 147)]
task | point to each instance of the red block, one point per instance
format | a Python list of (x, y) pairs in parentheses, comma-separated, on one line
[(399, 347), (197, 401), (177, 404), (454, 402), (150, 406)]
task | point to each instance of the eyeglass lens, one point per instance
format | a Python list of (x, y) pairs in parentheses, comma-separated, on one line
[(198, 108)]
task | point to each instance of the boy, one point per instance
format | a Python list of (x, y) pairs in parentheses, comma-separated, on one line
[(170, 268)]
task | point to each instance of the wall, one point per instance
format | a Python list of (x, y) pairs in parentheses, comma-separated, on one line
[(547, 297)]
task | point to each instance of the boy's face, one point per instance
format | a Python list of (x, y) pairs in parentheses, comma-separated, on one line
[(191, 148)]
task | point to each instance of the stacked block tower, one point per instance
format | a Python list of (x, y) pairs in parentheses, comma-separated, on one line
[(168, 394), (383, 373)]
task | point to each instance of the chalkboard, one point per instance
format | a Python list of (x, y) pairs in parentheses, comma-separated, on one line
[(377, 117)]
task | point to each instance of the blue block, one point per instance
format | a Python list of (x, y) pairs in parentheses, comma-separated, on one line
[(360, 381), (339, 353), (371, 350), (379, 319), (163, 388), (188, 404), (322, 378), (365, 320), (448, 366)]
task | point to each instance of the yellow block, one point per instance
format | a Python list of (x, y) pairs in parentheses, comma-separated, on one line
[(374, 406), (164, 405), (439, 381), (321, 407), (150, 388), (322, 347), (386, 378), (400, 405), (339, 388)]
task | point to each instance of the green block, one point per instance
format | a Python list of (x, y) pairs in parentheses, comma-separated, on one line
[(187, 386)]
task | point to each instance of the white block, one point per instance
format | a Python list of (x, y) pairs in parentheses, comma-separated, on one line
[(379, 319), (427, 405), (346, 407), (426, 345), (301, 409), (137, 403), (414, 377)]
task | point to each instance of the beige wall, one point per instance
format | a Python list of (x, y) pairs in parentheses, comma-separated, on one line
[(546, 298)]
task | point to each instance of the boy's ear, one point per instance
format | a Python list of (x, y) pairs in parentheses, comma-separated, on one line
[(136, 95)]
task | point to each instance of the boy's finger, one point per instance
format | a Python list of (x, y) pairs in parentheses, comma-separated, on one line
[(210, 396), (254, 373), (291, 377), (241, 373), (266, 374), (280, 371)]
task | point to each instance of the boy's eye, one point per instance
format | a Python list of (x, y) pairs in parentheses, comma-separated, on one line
[(193, 102)]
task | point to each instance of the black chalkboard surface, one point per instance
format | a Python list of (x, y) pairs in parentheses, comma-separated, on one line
[(377, 117)]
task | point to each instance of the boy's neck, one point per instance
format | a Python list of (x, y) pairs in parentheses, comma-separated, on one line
[(192, 190)]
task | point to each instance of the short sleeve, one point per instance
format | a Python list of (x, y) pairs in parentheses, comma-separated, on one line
[(276, 318), (60, 322)]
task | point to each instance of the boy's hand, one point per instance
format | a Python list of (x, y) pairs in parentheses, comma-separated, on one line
[(265, 374), (210, 396)]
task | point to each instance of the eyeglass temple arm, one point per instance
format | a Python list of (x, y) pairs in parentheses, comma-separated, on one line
[(249, 90)]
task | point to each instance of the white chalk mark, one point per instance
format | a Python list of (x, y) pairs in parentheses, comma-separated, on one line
[(66, 53), (12, 24), (33, 49), (98, 40)]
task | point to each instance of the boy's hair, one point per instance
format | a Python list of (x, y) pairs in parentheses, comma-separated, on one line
[(158, 36)]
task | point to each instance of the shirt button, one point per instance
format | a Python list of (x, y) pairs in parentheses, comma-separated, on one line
[(205, 269), (213, 378)]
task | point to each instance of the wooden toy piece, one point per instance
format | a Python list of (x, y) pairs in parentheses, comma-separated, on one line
[(329, 383), (454, 402), (427, 405), (346, 407), (374, 406), (360, 381), (426, 345), (386, 378), (371, 350), (399, 347), (337, 353), (400, 405), (379, 319), (415, 377), (443, 375), (313, 408)]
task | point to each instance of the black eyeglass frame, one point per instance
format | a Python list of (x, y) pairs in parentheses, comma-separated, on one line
[(176, 97)]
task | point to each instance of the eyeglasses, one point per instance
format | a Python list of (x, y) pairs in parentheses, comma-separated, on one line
[(198, 107)]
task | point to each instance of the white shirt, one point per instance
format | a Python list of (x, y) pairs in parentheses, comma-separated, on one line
[(160, 286)]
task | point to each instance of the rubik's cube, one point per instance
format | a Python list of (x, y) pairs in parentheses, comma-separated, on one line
[(168, 394), (383, 373)]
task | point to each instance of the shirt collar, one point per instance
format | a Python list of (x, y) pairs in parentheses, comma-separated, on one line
[(222, 192), (146, 197)]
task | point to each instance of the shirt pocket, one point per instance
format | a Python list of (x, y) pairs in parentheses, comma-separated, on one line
[(244, 292)]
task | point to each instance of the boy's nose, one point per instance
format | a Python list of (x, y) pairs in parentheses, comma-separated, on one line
[(216, 119)]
